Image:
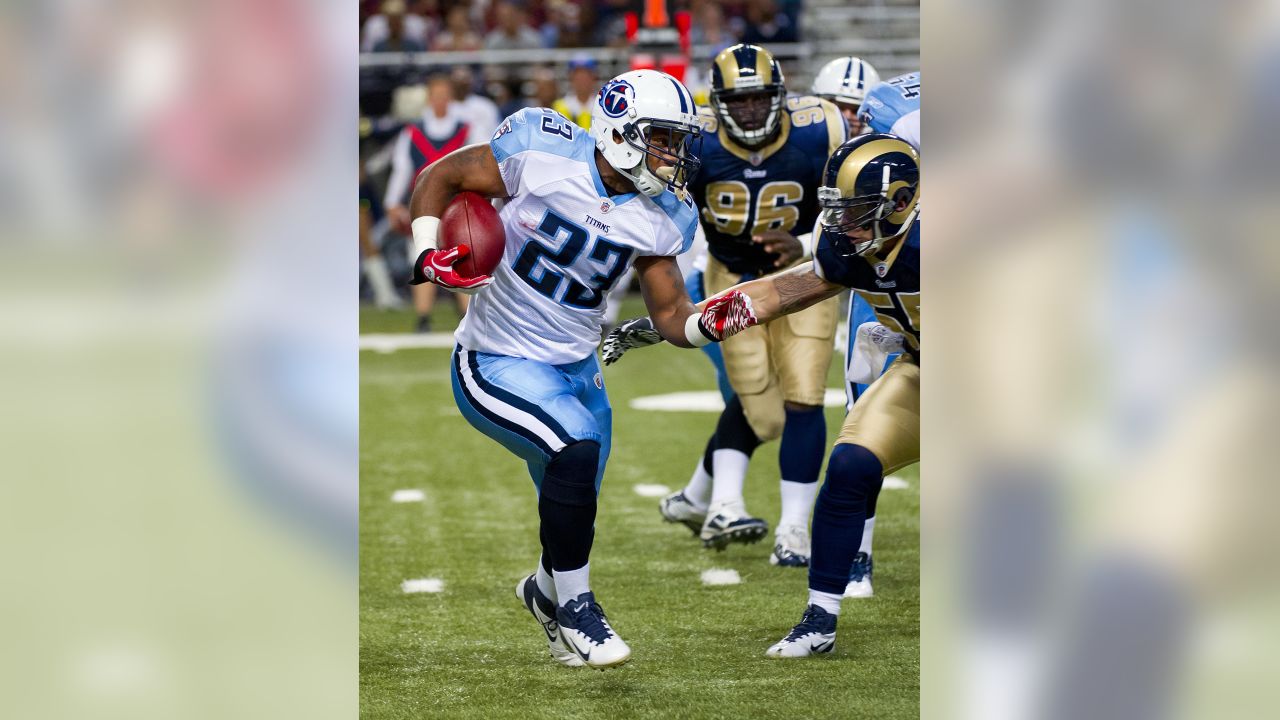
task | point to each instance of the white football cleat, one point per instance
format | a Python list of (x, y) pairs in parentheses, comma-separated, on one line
[(859, 577), (676, 508), (728, 522), (585, 630), (815, 635), (791, 547), (544, 611)]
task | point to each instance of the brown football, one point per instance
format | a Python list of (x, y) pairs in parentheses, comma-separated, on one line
[(471, 220)]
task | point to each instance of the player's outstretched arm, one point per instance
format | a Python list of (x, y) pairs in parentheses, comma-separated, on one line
[(759, 301), (719, 317), (783, 293), (469, 169)]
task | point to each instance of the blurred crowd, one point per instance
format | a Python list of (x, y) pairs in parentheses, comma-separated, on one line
[(462, 25)]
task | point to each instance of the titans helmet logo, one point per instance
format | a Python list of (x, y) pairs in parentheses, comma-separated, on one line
[(615, 98)]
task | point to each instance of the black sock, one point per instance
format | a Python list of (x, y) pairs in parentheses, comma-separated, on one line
[(567, 505), (733, 432), (706, 455)]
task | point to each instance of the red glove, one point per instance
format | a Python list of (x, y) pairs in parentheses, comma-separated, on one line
[(727, 315), (436, 266)]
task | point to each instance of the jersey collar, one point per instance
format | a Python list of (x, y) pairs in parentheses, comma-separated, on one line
[(601, 189), (893, 255)]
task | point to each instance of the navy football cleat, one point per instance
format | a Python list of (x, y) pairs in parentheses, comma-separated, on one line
[(728, 522), (791, 547), (544, 611), (585, 630), (859, 577), (815, 635)]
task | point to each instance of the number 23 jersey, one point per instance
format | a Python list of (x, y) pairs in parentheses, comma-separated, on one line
[(742, 192), (568, 242)]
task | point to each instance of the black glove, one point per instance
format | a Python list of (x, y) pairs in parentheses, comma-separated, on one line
[(632, 334)]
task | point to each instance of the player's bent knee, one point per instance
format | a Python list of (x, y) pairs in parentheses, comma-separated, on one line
[(853, 475), (765, 416), (570, 477)]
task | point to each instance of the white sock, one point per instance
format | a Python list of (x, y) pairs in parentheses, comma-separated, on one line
[(546, 583), (797, 503), (827, 601), (698, 491), (868, 530), (572, 583), (384, 294), (729, 469)]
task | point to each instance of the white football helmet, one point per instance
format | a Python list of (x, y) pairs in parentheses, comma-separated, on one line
[(845, 80), (627, 111)]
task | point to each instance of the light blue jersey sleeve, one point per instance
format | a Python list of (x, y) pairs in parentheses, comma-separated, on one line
[(889, 102), (683, 217), (534, 130)]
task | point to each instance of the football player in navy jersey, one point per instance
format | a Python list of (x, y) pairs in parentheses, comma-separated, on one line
[(762, 156), (869, 242)]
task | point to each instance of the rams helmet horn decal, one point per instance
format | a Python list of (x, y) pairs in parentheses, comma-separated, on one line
[(871, 182)]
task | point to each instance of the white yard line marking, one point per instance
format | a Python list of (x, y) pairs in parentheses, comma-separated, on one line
[(391, 342), (646, 490), (406, 496), (423, 585), (708, 401), (893, 482), (720, 577)]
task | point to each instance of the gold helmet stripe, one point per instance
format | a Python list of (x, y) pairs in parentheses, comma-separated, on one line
[(728, 68), (764, 65), (858, 159)]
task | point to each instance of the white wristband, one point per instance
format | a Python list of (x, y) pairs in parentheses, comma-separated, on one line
[(693, 333), (424, 233)]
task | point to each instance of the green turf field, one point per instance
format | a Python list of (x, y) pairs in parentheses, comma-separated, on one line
[(474, 651)]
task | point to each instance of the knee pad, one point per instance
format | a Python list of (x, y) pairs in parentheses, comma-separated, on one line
[(570, 478), (765, 415), (854, 474)]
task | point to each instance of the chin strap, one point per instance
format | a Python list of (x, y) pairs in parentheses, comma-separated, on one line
[(647, 182)]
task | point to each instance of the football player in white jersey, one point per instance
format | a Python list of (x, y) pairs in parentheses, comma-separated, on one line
[(893, 107), (582, 208), (845, 82)]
